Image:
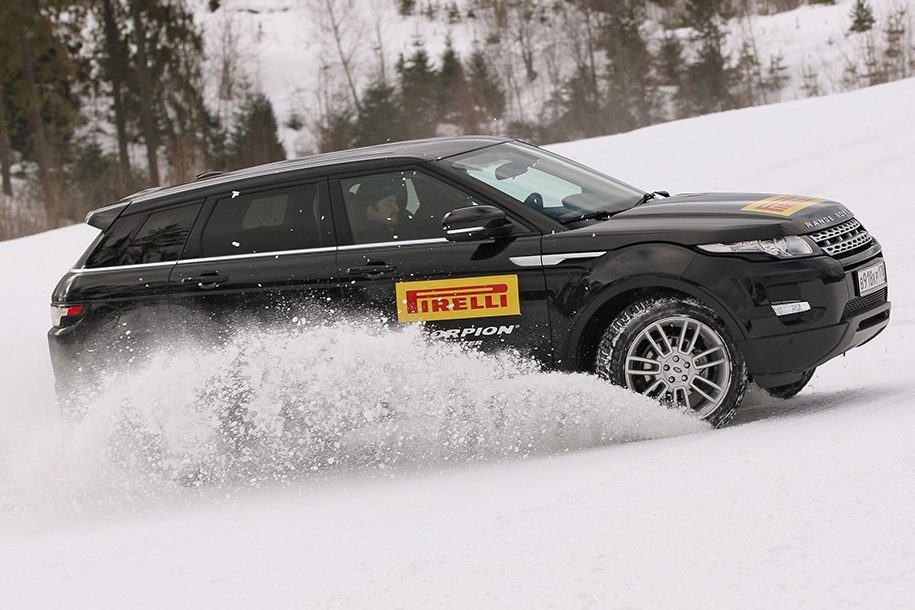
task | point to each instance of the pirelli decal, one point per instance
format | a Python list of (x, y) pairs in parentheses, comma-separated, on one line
[(781, 205), (469, 297)]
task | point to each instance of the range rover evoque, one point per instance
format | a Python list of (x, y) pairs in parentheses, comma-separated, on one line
[(682, 298)]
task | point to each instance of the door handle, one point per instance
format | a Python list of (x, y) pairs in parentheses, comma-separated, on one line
[(371, 270), (206, 281)]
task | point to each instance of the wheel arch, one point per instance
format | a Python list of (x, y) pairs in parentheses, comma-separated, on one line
[(581, 348)]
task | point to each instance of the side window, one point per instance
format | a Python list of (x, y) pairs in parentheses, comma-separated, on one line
[(113, 243), (399, 206), (162, 236), (267, 221)]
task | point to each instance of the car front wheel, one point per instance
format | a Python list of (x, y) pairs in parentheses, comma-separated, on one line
[(677, 351)]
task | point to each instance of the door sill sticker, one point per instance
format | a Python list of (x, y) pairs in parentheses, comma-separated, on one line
[(468, 297)]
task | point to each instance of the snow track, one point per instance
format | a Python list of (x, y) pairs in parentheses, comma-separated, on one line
[(800, 503)]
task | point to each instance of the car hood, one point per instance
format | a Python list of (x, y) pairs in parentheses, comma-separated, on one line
[(716, 217)]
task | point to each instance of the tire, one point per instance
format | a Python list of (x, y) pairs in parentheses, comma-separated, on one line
[(790, 389), (705, 371)]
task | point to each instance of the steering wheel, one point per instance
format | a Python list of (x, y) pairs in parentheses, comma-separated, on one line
[(534, 200)]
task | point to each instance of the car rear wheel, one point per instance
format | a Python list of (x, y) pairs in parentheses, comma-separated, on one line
[(677, 351)]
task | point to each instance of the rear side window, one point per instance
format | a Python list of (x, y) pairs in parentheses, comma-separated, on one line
[(267, 221), (113, 242), (162, 236)]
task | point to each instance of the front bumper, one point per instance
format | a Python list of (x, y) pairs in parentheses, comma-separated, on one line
[(777, 350), (780, 360)]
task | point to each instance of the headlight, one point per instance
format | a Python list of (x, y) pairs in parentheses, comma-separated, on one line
[(780, 247)]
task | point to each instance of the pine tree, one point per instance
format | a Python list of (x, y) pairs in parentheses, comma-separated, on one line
[(776, 76), (453, 87), (149, 114), (898, 49), (151, 52), (114, 70), (707, 86), (6, 146), (487, 97), (253, 140), (862, 17), (41, 104), (187, 123), (406, 7), (748, 77), (630, 91), (335, 130), (670, 60), (419, 96), (379, 119), (582, 110)]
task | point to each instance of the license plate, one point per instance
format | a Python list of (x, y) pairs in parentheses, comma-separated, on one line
[(871, 279)]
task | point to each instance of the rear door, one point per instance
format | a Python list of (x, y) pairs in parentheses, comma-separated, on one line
[(121, 283), (261, 256), (397, 262)]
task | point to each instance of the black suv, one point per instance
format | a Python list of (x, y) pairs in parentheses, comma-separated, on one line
[(494, 241)]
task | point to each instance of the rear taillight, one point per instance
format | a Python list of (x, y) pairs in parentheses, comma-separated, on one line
[(60, 312)]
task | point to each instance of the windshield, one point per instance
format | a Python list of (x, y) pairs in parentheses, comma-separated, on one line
[(548, 183)]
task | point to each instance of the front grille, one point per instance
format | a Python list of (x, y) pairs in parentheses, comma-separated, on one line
[(843, 240), (862, 304)]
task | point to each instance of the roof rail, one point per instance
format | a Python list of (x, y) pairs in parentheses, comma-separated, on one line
[(209, 174)]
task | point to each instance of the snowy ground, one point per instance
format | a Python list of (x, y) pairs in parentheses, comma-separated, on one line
[(801, 503)]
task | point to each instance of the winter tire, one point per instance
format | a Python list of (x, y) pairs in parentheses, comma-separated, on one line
[(677, 351), (790, 389)]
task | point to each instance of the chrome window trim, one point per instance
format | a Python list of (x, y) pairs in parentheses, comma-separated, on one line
[(207, 259), (274, 254), (123, 267), (382, 244)]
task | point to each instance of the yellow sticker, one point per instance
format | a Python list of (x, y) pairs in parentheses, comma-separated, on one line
[(781, 205), (468, 297)]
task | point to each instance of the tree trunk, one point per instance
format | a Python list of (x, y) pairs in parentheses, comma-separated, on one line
[(335, 25), (47, 174), (6, 151), (147, 108), (116, 75)]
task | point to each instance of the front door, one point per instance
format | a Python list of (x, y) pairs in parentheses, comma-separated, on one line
[(395, 260)]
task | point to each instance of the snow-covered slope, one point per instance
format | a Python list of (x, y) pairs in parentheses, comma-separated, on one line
[(801, 503), (286, 48)]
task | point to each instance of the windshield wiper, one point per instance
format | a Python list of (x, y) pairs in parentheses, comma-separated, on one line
[(605, 214), (649, 196), (596, 215)]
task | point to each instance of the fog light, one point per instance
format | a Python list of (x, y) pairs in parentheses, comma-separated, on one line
[(786, 309)]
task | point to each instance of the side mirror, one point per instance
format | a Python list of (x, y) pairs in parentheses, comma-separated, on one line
[(475, 222)]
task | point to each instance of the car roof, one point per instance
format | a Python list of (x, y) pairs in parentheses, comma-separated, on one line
[(428, 149)]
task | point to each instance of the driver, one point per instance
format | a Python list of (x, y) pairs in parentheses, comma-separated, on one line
[(384, 210)]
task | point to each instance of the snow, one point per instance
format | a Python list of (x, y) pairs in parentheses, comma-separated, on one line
[(285, 49), (800, 503)]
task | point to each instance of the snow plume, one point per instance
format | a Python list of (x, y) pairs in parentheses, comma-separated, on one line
[(309, 400)]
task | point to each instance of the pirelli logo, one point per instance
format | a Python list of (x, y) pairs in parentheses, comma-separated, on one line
[(469, 297), (781, 205)]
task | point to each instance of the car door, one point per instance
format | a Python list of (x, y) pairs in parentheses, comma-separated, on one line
[(122, 286), (257, 256), (396, 261)]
